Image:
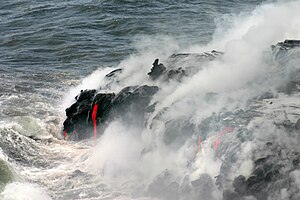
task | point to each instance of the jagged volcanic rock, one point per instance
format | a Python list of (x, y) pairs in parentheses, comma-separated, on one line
[(129, 103), (157, 70)]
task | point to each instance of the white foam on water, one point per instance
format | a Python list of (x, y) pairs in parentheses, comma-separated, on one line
[(24, 191)]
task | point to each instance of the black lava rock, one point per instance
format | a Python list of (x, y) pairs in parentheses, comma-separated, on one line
[(130, 104), (157, 70), (114, 73)]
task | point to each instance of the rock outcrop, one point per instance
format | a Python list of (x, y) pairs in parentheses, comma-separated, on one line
[(129, 101), (132, 102)]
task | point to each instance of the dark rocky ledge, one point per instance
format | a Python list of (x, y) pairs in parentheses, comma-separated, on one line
[(132, 102)]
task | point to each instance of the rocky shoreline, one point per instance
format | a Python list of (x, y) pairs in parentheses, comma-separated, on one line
[(271, 171)]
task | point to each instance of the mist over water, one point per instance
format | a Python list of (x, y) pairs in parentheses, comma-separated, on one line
[(216, 115)]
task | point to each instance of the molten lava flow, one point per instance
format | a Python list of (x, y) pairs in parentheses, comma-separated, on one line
[(94, 118), (65, 135), (220, 135)]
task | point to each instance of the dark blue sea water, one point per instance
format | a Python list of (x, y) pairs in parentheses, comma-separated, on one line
[(46, 46), (84, 35), (50, 49)]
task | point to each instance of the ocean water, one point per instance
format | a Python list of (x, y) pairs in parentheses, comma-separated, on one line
[(50, 50)]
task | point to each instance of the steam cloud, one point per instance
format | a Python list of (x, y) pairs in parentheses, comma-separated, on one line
[(244, 72)]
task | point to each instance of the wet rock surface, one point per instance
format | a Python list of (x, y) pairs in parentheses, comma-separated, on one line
[(157, 70), (110, 105)]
